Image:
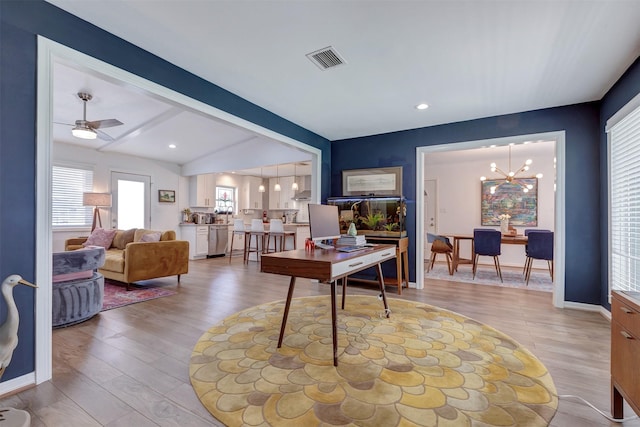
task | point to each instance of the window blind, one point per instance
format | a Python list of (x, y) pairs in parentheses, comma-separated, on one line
[(624, 146), (67, 185)]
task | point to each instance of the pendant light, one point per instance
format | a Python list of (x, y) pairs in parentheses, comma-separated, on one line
[(511, 176), (261, 186), (277, 186), (294, 186)]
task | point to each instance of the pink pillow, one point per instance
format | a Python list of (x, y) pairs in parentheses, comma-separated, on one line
[(100, 237), (150, 237)]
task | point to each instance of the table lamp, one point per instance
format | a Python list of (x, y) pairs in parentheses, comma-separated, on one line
[(97, 200)]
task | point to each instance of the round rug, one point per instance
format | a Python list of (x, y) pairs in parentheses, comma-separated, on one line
[(423, 366)]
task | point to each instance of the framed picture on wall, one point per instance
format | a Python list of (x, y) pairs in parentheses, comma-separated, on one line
[(509, 198), (166, 196), (378, 182)]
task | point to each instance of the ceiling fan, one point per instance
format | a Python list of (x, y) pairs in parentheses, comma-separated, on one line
[(90, 130)]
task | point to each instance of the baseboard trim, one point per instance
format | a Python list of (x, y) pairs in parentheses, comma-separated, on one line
[(16, 385), (588, 307)]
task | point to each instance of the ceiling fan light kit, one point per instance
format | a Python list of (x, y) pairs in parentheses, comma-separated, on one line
[(85, 129)]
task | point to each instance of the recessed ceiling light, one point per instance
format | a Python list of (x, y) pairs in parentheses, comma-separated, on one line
[(422, 106), (172, 145)]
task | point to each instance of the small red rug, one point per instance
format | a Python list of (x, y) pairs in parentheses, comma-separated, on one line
[(116, 295)]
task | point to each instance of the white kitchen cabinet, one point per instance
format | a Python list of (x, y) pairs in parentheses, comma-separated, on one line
[(250, 197), (202, 241), (281, 199), (302, 233), (202, 189), (198, 238)]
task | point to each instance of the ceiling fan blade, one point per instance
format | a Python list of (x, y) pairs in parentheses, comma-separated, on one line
[(62, 123), (107, 123), (104, 136)]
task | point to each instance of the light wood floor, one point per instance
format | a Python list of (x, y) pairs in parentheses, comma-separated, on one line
[(129, 366)]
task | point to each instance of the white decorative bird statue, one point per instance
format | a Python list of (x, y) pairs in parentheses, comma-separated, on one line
[(9, 329)]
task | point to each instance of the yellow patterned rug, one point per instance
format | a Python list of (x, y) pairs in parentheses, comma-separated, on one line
[(423, 366)]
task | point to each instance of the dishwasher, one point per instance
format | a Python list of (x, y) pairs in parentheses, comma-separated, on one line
[(218, 239)]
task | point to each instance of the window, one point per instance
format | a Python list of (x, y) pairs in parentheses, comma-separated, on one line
[(67, 186), (624, 202), (225, 199)]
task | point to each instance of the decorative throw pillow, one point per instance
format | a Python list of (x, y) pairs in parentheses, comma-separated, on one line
[(100, 237), (151, 237), (123, 237)]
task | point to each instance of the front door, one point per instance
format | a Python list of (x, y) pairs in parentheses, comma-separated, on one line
[(131, 204)]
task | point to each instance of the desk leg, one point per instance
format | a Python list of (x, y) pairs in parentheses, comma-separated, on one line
[(292, 284), (344, 289), (384, 295), (334, 320)]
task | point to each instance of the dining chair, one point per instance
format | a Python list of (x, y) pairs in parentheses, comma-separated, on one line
[(440, 245), (238, 230), (540, 246), (487, 242), (256, 235), (526, 247)]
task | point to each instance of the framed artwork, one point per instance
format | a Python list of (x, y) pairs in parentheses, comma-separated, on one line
[(166, 196), (377, 182), (509, 198)]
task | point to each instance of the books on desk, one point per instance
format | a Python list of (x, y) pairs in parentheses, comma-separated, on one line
[(351, 240)]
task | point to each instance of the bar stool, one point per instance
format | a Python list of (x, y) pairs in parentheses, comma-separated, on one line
[(238, 230), (276, 231), (257, 232)]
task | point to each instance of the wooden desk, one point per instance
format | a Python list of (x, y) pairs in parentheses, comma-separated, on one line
[(326, 266), (506, 240)]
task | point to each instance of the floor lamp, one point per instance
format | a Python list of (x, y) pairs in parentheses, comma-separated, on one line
[(97, 200)]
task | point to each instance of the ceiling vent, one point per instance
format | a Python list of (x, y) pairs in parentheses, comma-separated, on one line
[(326, 58)]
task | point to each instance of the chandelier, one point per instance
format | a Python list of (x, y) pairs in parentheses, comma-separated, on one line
[(511, 176)]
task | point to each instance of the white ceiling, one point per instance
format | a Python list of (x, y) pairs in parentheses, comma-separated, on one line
[(466, 59)]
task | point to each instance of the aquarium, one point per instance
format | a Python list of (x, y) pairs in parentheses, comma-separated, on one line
[(382, 216)]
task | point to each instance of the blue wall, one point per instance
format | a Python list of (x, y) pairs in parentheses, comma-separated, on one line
[(583, 213), (20, 23), (625, 89)]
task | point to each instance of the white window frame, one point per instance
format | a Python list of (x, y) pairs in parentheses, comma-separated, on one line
[(74, 200), (221, 205), (632, 108)]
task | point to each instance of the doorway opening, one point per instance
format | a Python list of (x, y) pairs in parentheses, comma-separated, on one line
[(425, 177)]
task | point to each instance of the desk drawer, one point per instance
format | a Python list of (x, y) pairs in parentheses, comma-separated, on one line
[(625, 349), (354, 265), (626, 315)]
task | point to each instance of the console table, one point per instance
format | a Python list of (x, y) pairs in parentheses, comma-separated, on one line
[(326, 266), (625, 348)]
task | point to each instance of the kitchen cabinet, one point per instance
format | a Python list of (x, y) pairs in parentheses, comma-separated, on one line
[(281, 199), (250, 197), (198, 238), (302, 233), (202, 189)]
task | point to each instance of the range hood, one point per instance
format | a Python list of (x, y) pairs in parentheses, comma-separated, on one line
[(305, 192), (302, 195)]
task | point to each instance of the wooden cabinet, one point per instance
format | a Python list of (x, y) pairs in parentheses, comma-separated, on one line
[(625, 351), (250, 197), (202, 189), (281, 199), (198, 238)]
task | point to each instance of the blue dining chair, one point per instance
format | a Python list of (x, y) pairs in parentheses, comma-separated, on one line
[(526, 247), (487, 242), (539, 246)]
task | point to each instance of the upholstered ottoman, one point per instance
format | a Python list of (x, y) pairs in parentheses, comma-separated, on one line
[(77, 287)]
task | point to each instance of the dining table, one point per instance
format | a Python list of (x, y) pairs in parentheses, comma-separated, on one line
[(507, 239)]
